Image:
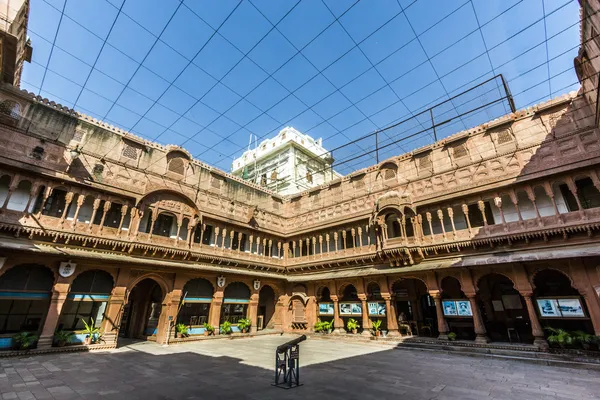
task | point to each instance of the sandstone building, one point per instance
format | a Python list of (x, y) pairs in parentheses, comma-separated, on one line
[(491, 233)]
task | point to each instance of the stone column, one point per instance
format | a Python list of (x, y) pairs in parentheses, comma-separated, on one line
[(550, 193), (344, 238), (359, 231), (321, 245), (366, 324), (253, 311), (440, 215), (335, 240), (217, 230), (338, 323), (591, 300), (465, 210), (124, 209), (223, 236), (168, 317), (113, 314), (498, 204), (481, 206), (47, 194), (441, 320), (515, 201), (11, 189), (214, 315), (60, 291), (451, 215), (68, 200), (94, 211), (531, 196), (327, 241), (536, 328), (428, 216), (480, 331), (390, 313), (32, 195)]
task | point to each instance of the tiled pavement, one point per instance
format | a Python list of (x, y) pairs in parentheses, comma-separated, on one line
[(242, 369)]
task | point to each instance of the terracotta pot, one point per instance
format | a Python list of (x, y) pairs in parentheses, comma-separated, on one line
[(243, 330), (87, 340), (377, 333), (60, 344), (354, 331), (206, 333)]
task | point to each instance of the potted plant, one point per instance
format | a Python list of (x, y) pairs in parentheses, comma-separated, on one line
[(92, 334), (585, 340), (208, 329), (182, 330), (319, 327), (24, 340), (244, 325), (327, 326), (63, 337), (352, 325), (225, 328), (376, 325), (559, 337), (452, 336)]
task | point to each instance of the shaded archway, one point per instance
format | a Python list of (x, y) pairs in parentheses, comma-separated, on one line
[(503, 310), (325, 304), (266, 308), (198, 294), (414, 307), (87, 301), (452, 296), (142, 311), (236, 298), (376, 309), (25, 292), (559, 304)]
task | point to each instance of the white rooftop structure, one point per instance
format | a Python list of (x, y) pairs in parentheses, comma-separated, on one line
[(291, 162)]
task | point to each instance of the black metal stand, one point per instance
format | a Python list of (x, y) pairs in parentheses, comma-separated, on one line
[(287, 364)]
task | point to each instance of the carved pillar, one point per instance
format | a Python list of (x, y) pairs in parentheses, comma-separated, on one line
[(258, 245), (480, 331), (420, 224), (214, 315), (335, 239), (80, 200), (402, 224), (338, 323), (451, 215), (344, 238), (179, 223), (515, 201), (293, 248), (314, 245), (68, 200), (550, 193), (11, 189), (279, 248), (107, 205), (368, 232), (428, 216), (360, 243), (536, 327), (136, 219), (481, 206), (217, 230), (353, 233), (60, 291), (321, 244), (253, 311), (251, 242), (32, 195), (573, 188), (366, 325), (531, 196), (223, 236), (308, 246), (498, 204), (286, 250), (591, 300), (124, 210), (239, 239), (439, 311), (327, 241), (94, 211), (466, 212), (440, 215), (47, 194), (300, 247), (114, 311), (232, 239), (153, 216)]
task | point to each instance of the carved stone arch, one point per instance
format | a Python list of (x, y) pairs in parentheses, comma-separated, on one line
[(343, 285), (388, 171), (111, 272), (170, 200), (164, 285), (403, 278), (501, 273), (214, 287), (276, 290), (452, 274), (319, 290), (52, 271), (539, 269), (239, 281)]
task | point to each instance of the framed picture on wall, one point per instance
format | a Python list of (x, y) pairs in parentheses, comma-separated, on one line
[(356, 308), (449, 307), (464, 308), (548, 308), (570, 308), (345, 308), (326, 308), (377, 309)]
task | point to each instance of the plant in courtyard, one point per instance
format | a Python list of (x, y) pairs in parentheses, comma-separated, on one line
[(63, 337), (244, 325), (182, 330), (92, 334), (352, 325), (376, 326), (24, 340), (327, 326), (452, 336), (225, 327), (585, 340), (559, 337), (323, 326), (208, 329)]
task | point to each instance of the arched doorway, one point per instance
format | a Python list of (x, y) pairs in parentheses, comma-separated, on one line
[(461, 323), (559, 304), (376, 305), (414, 307), (87, 301), (142, 311), (194, 314), (349, 304), (25, 292), (236, 298), (325, 304), (503, 310), (266, 308)]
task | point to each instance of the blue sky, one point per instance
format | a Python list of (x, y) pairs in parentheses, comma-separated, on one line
[(206, 74)]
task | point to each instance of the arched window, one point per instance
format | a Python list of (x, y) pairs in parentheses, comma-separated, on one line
[(177, 162), (235, 302), (24, 298), (87, 300), (20, 197), (389, 171), (196, 305)]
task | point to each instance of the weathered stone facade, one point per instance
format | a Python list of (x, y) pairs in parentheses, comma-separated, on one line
[(494, 219)]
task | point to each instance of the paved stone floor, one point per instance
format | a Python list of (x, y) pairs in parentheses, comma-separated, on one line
[(243, 369)]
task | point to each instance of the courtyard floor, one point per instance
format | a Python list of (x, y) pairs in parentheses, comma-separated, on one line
[(243, 369)]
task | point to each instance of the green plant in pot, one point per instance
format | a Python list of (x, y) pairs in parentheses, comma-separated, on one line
[(244, 325), (452, 336), (319, 327), (225, 328), (208, 329), (583, 339), (327, 326), (92, 334), (559, 338), (376, 325), (352, 325), (63, 337), (182, 330), (24, 340)]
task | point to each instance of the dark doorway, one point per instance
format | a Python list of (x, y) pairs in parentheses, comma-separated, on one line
[(142, 311), (266, 308)]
